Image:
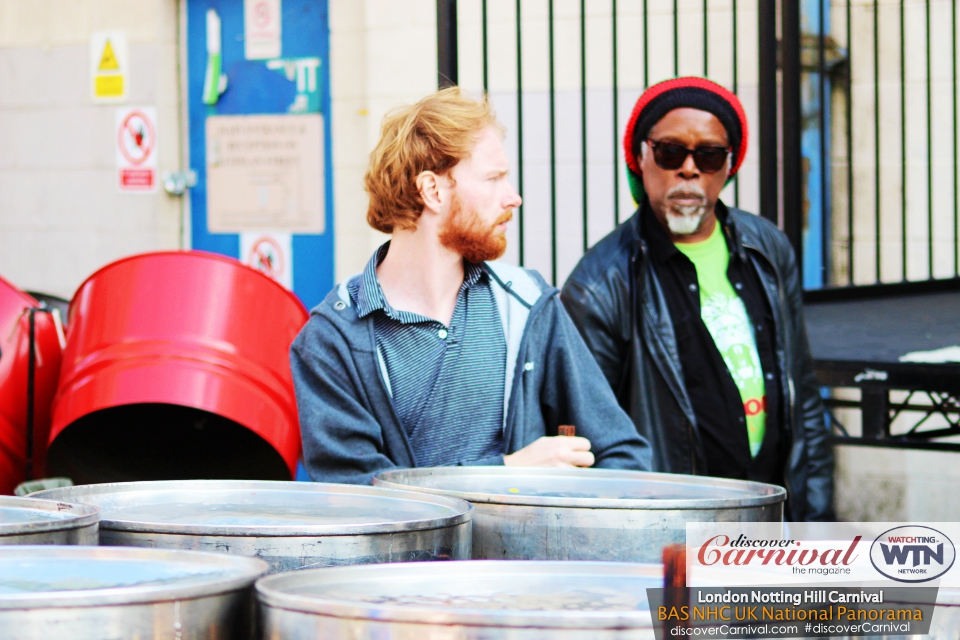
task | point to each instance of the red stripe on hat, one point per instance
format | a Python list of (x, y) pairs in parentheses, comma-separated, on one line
[(680, 83)]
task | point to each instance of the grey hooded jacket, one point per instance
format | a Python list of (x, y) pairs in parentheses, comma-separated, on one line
[(350, 428)]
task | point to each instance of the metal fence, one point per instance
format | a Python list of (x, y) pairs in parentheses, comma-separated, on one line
[(852, 106), (899, 128)]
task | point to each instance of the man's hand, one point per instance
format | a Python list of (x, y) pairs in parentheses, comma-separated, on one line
[(559, 451)]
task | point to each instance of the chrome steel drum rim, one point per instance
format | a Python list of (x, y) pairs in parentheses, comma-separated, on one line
[(80, 515), (948, 597), (271, 592), (459, 511), (762, 494), (244, 569)]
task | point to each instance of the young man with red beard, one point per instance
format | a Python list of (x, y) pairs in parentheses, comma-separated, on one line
[(434, 355)]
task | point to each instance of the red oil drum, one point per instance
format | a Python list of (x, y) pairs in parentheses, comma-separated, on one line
[(15, 306), (177, 367)]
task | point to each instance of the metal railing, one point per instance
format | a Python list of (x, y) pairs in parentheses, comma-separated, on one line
[(631, 60), (848, 156), (921, 213)]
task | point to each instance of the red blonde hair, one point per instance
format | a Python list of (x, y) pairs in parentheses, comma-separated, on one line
[(431, 135)]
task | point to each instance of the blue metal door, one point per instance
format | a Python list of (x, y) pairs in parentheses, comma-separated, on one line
[(223, 81)]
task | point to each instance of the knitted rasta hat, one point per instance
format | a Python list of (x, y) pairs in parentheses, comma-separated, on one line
[(690, 91)]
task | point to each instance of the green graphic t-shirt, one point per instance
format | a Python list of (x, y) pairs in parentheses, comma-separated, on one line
[(725, 316)]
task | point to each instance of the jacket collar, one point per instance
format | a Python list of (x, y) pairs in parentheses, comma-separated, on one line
[(368, 295), (658, 242), (734, 231)]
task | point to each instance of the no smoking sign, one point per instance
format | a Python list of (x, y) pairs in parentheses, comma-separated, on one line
[(269, 252), (266, 256), (136, 136)]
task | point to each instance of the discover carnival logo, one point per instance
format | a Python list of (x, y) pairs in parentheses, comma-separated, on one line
[(814, 557), (912, 553)]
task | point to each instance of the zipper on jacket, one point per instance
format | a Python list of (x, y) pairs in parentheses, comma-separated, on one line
[(693, 436), (787, 374), (521, 349), (783, 314)]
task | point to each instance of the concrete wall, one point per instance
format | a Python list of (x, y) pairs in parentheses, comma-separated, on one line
[(892, 485), (383, 53), (61, 216)]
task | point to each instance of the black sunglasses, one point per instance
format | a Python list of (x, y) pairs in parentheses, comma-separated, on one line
[(671, 156)]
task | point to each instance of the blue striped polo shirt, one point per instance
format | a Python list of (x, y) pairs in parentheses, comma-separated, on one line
[(447, 383)]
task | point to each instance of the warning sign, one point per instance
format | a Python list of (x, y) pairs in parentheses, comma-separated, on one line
[(108, 62), (270, 253), (108, 66), (261, 29), (137, 149)]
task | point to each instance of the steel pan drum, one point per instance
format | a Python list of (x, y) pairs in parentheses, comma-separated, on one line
[(177, 367), (93, 593), (14, 367), (462, 600), (291, 525), (588, 514), (31, 521), (946, 617)]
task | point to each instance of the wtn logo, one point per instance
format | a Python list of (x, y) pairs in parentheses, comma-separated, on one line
[(912, 553), (899, 554)]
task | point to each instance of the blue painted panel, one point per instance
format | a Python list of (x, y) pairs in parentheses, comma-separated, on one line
[(253, 88), (817, 220), (816, 230)]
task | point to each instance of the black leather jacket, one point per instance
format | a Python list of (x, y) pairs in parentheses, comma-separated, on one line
[(617, 303)]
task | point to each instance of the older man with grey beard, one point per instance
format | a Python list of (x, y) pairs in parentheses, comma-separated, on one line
[(693, 309)]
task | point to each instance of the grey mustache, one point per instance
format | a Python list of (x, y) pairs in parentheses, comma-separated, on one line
[(686, 192)]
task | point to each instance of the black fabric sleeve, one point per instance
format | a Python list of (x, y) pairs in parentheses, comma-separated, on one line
[(598, 326)]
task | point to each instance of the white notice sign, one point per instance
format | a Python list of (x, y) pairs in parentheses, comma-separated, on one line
[(265, 172), (261, 29)]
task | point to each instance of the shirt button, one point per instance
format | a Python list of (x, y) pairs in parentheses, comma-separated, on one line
[(741, 420), (759, 327), (739, 286), (693, 287), (442, 333), (769, 376)]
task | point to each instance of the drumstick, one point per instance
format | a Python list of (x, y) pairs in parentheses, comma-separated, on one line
[(675, 592), (675, 566)]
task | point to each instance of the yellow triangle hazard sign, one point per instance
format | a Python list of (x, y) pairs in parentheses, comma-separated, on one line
[(108, 60)]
